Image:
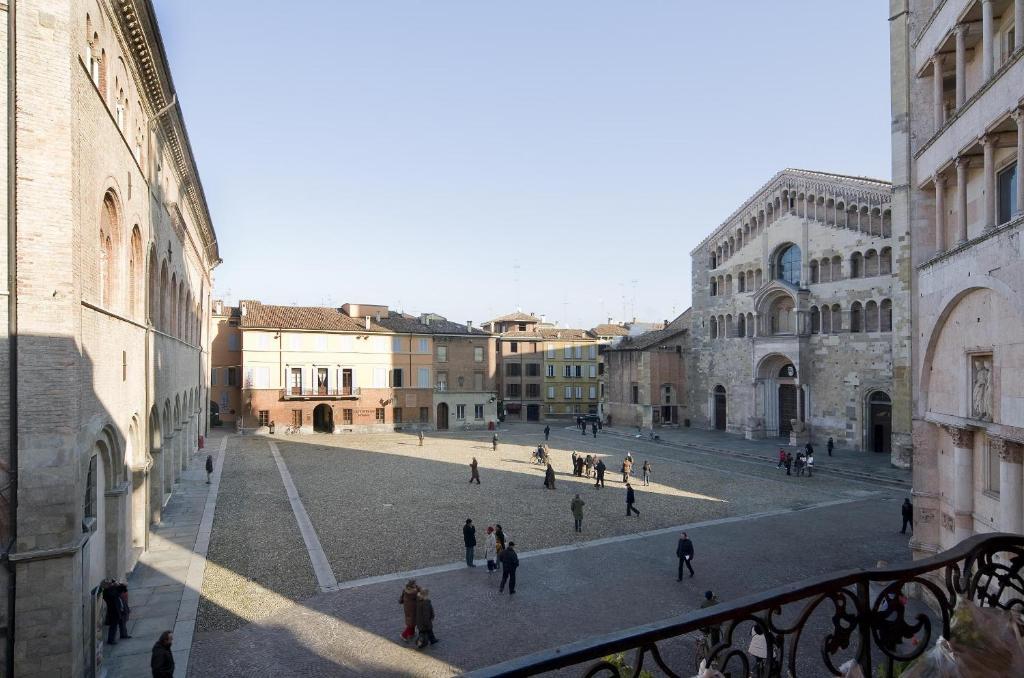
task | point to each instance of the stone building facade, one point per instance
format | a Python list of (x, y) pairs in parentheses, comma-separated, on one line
[(362, 368), (106, 352), (958, 156), (799, 308), (646, 377), (225, 364)]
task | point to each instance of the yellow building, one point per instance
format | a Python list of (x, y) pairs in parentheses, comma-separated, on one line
[(571, 383)]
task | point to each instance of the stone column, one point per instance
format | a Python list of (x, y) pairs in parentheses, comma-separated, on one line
[(1011, 479), (986, 40), (962, 164), (989, 150), (963, 480), (1018, 28), (937, 62), (1018, 116), (961, 64), (940, 213)]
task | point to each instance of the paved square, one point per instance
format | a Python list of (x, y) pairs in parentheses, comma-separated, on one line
[(381, 506)]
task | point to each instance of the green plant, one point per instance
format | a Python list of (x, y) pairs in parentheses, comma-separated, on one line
[(625, 670)]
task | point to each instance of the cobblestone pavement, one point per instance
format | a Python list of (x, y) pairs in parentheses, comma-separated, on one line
[(568, 595), (382, 505)]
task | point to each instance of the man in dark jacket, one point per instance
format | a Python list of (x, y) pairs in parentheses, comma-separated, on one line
[(593, 428), (209, 467), (908, 516), (509, 563), (831, 446), (684, 552), (600, 473), (547, 432), (630, 500), (162, 661), (469, 537), (112, 599), (425, 619), (549, 478), (494, 442)]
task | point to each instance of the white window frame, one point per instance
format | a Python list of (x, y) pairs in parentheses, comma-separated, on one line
[(478, 412), (579, 352), (460, 412), (593, 393), (442, 353), (423, 377), (567, 352), (550, 350), (579, 393), (396, 344), (478, 354), (593, 371), (568, 392), (424, 345), (567, 372), (551, 370), (551, 392), (592, 352)]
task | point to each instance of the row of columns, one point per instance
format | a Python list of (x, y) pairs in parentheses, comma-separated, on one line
[(962, 165), (987, 55), (1011, 482)]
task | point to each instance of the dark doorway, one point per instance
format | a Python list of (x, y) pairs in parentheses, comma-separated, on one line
[(879, 423), (720, 411), (214, 414), (533, 413), (668, 414), (787, 408), (323, 419), (442, 417)]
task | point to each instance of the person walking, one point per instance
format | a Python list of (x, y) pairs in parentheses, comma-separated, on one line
[(758, 649), (424, 619), (408, 602), (809, 462), (579, 422), (547, 432), (627, 468), (474, 472), (593, 428), (509, 565), (830, 445), (600, 426), (490, 549), (714, 632), (630, 500), (499, 543), (576, 506), (494, 443), (549, 478), (782, 458), (647, 472), (908, 516), (469, 538), (684, 552), (789, 463), (583, 428), (799, 464), (600, 473), (161, 660), (579, 466), (589, 463), (124, 608), (112, 618), (209, 467), (808, 449), (575, 458), (421, 438)]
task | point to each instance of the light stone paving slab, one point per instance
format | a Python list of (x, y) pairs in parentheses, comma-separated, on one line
[(321, 566)]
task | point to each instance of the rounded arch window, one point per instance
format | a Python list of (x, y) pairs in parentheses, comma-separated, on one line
[(788, 265), (787, 371)]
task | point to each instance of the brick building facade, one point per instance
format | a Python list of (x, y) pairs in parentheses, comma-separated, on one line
[(104, 390)]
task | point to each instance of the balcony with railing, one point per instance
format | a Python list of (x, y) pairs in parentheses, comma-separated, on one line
[(329, 393), (863, 622)]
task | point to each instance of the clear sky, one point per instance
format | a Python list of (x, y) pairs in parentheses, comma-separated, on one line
[(467, 157)]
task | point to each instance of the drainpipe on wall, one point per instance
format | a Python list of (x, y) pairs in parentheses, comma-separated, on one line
[(12, 323)]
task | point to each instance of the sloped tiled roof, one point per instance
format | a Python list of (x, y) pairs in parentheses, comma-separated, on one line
[(259, 315), (610, 330), (412, 325), (647, 340), (552, 333), (518, 316)]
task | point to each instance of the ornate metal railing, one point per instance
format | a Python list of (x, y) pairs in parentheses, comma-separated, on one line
[(812, 626)]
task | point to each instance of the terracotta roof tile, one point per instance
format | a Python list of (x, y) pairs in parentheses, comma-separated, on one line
[(258, 315), (610, 330), (518, 316)]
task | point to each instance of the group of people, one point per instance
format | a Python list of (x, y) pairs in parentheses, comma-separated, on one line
[(803, 462), (582, 466), (595, 426), (419, 614), (499, 552), (115, 599)]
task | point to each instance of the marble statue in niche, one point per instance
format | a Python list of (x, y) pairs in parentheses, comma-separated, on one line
[(981, 388)]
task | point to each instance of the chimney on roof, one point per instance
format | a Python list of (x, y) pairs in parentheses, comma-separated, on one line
[(542, 318), (367, 322), (378, 316), (469, 325), (609, 320), (243, 308)]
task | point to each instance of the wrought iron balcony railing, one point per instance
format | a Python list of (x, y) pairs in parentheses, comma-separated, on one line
[(811, 627), (306, 392)]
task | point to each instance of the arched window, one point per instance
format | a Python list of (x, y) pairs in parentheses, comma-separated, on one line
[(750, 325), (714, 263), (837, 267), (110, 237), (181, 306), (728, 284), (856, 265), (787, 265), (815, 320), (837, 319), (730, 331), (783, 317), (165, 298), (750, 281), (119, 107), (885, 261), (870, 263), (871, 317), (741, 325), (855, 318), (885, 316), (714, 327), (886, 224), (135, 273), (814, 271), (758, 278), (714, 287), (826, 270), (741, 283), (826, 320)]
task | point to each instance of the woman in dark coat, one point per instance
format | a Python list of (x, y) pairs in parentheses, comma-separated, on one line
[(549, 478), (408, 602), (162, 660), (424, 619)]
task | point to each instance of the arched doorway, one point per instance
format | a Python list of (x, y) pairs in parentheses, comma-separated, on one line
[(879, 425), (323, 419), (720, 408), (789, 399), (778, 395), (442, 417)]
